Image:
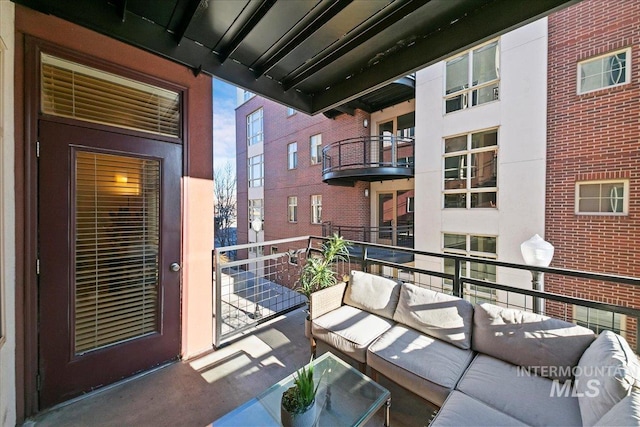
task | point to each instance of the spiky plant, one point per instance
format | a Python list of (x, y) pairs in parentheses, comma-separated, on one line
[(300, 397), (318, 273)]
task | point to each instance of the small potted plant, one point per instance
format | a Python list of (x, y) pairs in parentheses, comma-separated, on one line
[(319, 272), (298, 408)]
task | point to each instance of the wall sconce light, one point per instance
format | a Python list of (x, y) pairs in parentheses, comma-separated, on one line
[(366, 192), (365, 123)]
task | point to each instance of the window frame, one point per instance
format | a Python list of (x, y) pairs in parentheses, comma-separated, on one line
[(292, 208), (470, 290), (258, 137), (625, 199), (292, 156), (253, 180), (316, 209), (468, 153), (627, 71), (466, 92), (251, 206), (318, 149)]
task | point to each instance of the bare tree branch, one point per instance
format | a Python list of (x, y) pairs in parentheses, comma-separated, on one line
[(225, 207)]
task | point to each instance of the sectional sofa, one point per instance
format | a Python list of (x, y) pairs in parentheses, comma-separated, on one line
[(483, 364)]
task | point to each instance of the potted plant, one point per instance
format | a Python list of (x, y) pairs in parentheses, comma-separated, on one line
[(319, 272), (298, 408)]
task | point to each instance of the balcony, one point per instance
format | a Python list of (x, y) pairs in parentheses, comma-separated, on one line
[(375, 158)]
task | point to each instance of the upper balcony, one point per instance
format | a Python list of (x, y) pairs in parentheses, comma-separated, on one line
[(374, 158)]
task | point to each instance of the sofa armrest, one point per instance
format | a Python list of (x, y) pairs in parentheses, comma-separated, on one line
[(326, 300)]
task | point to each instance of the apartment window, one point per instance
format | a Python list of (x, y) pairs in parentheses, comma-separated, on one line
[(256, 210), (256, 171), (604, 71), (290, 111), (598, 320), (292, 211), (602, 197), (255, 128), (472, 78), (316, 209), (316, 149), (473, 246), (292, 155), (471, 170), (410, 204)]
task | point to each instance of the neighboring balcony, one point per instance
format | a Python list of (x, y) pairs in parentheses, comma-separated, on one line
[(374, 158)]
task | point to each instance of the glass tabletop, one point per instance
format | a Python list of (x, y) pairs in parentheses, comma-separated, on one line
[(345, 397)]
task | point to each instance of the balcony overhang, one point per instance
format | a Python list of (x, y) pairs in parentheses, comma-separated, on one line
[(312, 56), (349, 177)]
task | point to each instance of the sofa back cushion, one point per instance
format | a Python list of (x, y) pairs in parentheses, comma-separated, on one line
[(605, 375), (548, 347), (439, 315), (375, 294)]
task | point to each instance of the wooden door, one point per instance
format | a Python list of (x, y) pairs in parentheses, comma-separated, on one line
[(109, 231)]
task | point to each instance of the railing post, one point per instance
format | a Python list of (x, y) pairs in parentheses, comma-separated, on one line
[(365, 263), (217, 299), (457, 280), (394, 151)]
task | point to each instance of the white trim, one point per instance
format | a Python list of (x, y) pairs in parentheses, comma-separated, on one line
[(627, 70)]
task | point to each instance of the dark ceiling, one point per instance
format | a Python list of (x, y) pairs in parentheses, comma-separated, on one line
[(312, 55)]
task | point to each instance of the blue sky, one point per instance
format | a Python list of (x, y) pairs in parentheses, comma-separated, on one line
[(224, 124)]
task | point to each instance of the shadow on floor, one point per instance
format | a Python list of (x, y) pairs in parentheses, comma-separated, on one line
[(198, 391)]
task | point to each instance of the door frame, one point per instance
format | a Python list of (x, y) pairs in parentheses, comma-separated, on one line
[(29, 82)]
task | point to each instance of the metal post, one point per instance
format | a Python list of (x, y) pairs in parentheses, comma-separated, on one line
[(538, 285), (217, 300), (457, 280)]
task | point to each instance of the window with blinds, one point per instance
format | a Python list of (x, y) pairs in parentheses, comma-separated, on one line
[(116, 252), (83, 93)]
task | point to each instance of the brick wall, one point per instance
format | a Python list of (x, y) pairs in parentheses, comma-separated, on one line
[(340, 205), (592, 137)]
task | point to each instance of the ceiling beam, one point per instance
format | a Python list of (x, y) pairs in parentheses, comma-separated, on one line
[(498, 17), (189, 13), (103, 18), (384, 19), (319, 19), (256, 16)]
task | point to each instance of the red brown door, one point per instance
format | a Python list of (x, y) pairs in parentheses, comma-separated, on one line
[(109, 232)]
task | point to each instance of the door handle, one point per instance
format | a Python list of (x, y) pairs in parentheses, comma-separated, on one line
[(175, 267)]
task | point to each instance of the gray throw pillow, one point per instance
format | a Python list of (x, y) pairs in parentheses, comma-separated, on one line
[(372, 293), (436, 314), (605, 375), (548, 347)]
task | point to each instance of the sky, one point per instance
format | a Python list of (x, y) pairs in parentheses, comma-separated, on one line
[(224, 124)]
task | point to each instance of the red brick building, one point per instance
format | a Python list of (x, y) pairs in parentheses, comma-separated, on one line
[(593, 148)]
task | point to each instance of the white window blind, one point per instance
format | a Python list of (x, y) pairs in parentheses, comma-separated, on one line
[(83, 93), (116, 248)]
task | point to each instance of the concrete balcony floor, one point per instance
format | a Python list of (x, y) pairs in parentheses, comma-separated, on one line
[(199, 391)]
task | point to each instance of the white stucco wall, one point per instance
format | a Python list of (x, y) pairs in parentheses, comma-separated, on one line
[(7, 219), (520, 116)]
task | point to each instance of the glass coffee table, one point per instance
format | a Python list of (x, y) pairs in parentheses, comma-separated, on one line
[(345, 397)]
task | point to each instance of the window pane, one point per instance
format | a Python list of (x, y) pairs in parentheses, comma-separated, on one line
[(484, 64), (590, 190), (484, 169), (455, 241), (484, 139), (455, 200), (483, 244), (457, 74), (483, 200), (455, 172), (458, 143), (485, 94), (483, 271), (615, 69), (589, 205), (454, 104)]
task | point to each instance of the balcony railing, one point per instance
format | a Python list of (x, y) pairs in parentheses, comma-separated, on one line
[(375, 158), (258, 288), (401, 235)]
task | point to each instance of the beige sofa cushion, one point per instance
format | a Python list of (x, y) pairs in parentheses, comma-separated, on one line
[(425, 365), (375, 294), (549, 346), (624, 413), (461, 410), (534, 400), (350, 330), (436, 314), (605, 375)]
